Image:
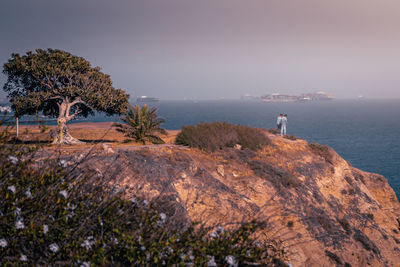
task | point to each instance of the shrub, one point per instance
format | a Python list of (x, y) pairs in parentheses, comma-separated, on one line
[(322, 151), (334, 257), (219, 135), (365, 242), (274, 131), (141, 125), (277, 177), (290, 137), (48, 216)]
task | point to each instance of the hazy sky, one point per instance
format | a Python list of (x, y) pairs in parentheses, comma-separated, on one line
[(219, 48)]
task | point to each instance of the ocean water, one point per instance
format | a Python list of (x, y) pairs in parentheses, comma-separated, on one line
[(366, 133)]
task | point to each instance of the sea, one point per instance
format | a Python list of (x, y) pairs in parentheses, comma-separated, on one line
[(364, 132)]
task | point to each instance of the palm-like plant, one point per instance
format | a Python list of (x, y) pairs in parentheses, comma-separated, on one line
[(141, 124)]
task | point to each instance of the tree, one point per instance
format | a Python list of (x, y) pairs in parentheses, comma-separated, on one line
[(60, 85), (141, 124)]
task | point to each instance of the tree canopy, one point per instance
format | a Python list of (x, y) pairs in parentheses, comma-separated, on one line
[(61, 85)]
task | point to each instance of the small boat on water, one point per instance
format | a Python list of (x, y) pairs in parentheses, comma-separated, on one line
[(144, 98)]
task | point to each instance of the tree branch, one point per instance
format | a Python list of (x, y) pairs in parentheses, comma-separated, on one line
[(77, 111), (56, 97), (77, 101)]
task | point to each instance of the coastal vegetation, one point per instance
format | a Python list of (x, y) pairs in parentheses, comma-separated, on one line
[(60, 85), (51, 214), (218, 135), (322, 151), (142, 124)]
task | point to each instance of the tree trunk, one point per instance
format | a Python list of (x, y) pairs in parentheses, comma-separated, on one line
[(61, 135)]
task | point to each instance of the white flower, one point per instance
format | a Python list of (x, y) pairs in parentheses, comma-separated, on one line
[(23, 258), (54, 247), (214, 234), (17, 212), (19, 224), (28, 193), (142, 248), (231, 261), (13, 159), (85, 264), (163, 216), (12, 188), (3, 243), (70, 215), (45, 228), (88, 243), (63, 163), (64, 193), (134, 201), (114, 240), (211, 262), (71, 206), (218, 231)]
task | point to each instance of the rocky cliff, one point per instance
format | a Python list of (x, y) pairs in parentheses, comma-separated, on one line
[(324, 211)]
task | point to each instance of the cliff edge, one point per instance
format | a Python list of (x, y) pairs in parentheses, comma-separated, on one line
[(324, 211)]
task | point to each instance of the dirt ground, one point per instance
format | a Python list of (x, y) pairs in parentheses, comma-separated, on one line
[(89, 132)]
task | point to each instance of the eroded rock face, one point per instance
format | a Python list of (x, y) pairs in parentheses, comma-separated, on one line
[(324, 211)]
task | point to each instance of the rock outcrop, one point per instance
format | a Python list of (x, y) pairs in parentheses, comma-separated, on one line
[(324, 211)]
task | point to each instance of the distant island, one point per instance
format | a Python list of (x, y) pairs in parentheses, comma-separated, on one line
[(278, 97)]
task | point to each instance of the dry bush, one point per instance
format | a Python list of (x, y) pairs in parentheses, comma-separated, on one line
[(219, 135), (277, 177), (322, 151), (290, 137), (274, 131)]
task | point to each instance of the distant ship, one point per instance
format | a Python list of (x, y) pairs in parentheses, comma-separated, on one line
[(277, 97), (144, 98)]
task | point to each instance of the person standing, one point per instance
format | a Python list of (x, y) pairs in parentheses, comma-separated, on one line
[(284, 122), (278, 121)]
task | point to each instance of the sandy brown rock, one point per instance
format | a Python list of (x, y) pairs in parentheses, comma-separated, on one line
[(324, 211)]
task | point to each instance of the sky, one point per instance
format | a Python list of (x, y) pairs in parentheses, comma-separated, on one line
[(211, 49)]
